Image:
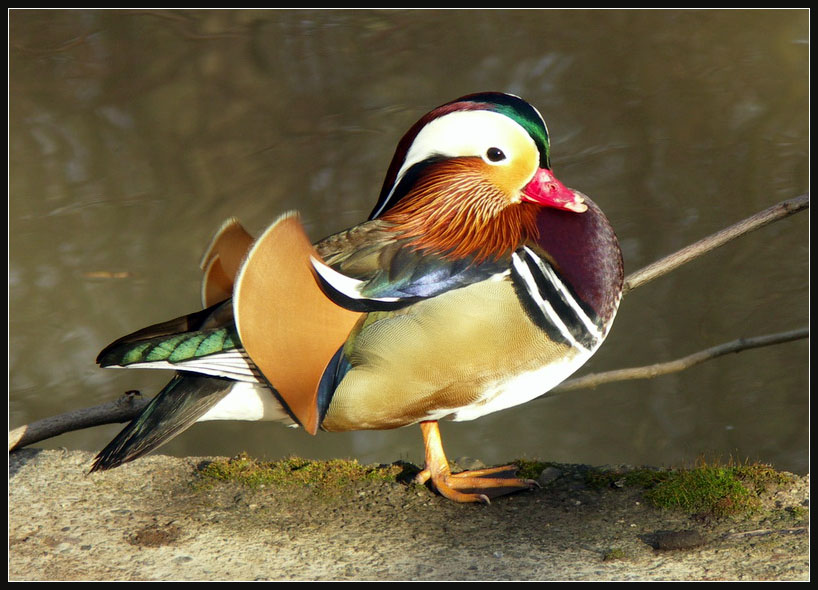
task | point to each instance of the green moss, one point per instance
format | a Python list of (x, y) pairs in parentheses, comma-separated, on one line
[(760, 475), (706, 489), (720, 490), (614, 554), (295, 471), (530, 469), (710, 488)]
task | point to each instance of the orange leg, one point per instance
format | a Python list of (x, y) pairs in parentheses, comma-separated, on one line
[(468, 486)]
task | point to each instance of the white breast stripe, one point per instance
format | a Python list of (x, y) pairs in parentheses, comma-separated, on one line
[(548, 311), (567, 296)]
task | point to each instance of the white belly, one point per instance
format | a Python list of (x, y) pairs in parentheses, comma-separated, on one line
[(520, 388)]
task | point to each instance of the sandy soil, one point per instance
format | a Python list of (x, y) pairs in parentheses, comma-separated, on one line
[(148, 521)]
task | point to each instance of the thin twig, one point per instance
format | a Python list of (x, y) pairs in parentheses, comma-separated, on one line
[(688, 253), (650, 371)]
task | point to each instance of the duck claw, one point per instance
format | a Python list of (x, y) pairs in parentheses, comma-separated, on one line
[(477, 485)]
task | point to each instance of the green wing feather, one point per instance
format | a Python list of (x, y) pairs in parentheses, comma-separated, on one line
[(197, 335)]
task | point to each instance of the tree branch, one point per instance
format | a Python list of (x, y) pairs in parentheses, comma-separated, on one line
[(693, 251), (650, 371), (123, 409)]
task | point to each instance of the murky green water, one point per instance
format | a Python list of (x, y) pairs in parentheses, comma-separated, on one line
[(133, 134)]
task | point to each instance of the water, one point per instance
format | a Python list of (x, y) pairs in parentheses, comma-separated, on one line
[(133, 134)]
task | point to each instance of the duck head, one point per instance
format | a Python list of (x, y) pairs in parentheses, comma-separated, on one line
[(469, 177)]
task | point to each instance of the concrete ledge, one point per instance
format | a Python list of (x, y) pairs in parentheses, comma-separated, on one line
[(153, 520)]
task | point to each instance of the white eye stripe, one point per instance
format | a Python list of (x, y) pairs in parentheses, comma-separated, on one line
[(467, 133)]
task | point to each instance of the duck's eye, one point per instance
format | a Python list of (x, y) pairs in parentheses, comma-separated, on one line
[(495, 154)]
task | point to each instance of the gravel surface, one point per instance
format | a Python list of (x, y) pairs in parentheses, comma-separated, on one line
[(148, 520)]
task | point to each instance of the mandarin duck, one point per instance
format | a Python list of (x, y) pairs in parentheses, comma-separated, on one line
[(478, 283)]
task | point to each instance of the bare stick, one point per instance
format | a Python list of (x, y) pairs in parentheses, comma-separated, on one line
[(125, 408), (650, 371), (685, 255)]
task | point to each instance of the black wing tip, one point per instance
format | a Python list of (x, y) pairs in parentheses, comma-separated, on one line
[(114, 354), (134, 441), (104, 358), (102, 463), (118, 452), (178, 406)]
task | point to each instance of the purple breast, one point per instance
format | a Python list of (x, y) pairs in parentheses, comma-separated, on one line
[(584, 251)]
